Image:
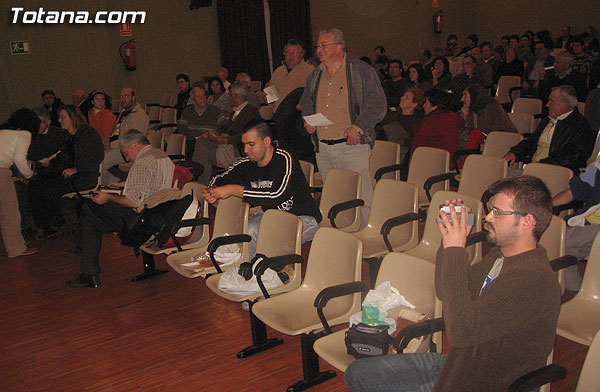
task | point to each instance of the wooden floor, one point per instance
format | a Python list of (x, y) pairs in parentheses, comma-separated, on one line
[(168, 333)]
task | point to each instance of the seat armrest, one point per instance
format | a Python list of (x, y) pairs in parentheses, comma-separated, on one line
[(537, 378), (511, 90), (167, 106), (161, 126), (474, 238), (458, 154), (273, 262), (573, 204), (389, 224), (434, 180), (177, 157), (386, 169), (154, 122), (186, 223), (563, 262), (315, 189), (224, 240), (415, 330), (331, 292), (346, 205)]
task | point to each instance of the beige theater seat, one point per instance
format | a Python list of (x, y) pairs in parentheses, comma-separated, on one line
[(579, 318), (524, 122), (340, 186), (498, 143), (505, 83), (280, 233), (231, 218), (335, 258), (384, 154), (431, 239), (555, 177), (424, 163), (308, 169), (553, 240), (391, 199), (588, 378), (414, 278)]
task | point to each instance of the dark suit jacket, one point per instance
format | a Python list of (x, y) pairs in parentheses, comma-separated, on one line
[(234, 128), (571, 144), (547, 63)]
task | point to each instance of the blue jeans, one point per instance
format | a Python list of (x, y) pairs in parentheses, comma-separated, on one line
[(398, 372), (309, 228)]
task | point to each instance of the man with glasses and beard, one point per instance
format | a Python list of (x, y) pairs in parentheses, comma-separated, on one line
[(500, 313)]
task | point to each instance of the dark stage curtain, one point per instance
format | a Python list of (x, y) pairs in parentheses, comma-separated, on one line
[(242, 33), (242, 38), (289, 19)]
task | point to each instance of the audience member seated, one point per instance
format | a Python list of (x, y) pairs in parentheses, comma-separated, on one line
[(382, 66), (44, 150), (151, 172), (471, 43), (490, 114), (500, 313), (183, 96), (582, 61), (101, 118), (268, 177), (531, 76), (426, 61), (416, 77), (15, 137), (511, 66), (132, 116), (395, 86), (491, 57), (564, 138), (564, 41), (441, 76), (52, 103), (246, 80), (583, 225), (197, 120), (468, 77), (484, 69), (290, 75), (289, 128), (562, 74), (441, 127), (223, 75), (451, 45), (218, 95), (409, 118), (222, 149), (78, 98), (81, 158)]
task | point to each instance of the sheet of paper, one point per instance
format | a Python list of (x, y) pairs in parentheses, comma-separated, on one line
[(51, 157), (272, 95), (317, 120)]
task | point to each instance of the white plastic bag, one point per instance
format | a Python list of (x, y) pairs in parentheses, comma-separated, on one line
[(384, 297), (232, 282)]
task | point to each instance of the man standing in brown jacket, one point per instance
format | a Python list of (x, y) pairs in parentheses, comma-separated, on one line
[(500, 314)]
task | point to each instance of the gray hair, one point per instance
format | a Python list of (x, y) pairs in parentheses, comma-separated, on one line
[(567, 56), (239, 89), (133, 135), (199, 88), (242, 76), (568, 94), (41, 111), (337, 34)]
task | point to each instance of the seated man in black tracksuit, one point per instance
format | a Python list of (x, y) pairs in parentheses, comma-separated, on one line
[(269, 177)]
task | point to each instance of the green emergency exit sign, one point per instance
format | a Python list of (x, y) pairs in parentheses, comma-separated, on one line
[(19, 47)]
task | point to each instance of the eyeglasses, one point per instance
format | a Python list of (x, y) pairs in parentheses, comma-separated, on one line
[(322, 46), (496, 212)]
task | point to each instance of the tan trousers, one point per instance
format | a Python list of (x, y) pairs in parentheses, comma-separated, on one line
[(10, 218)]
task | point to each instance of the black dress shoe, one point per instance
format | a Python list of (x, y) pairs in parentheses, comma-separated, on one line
[(91, 281)]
